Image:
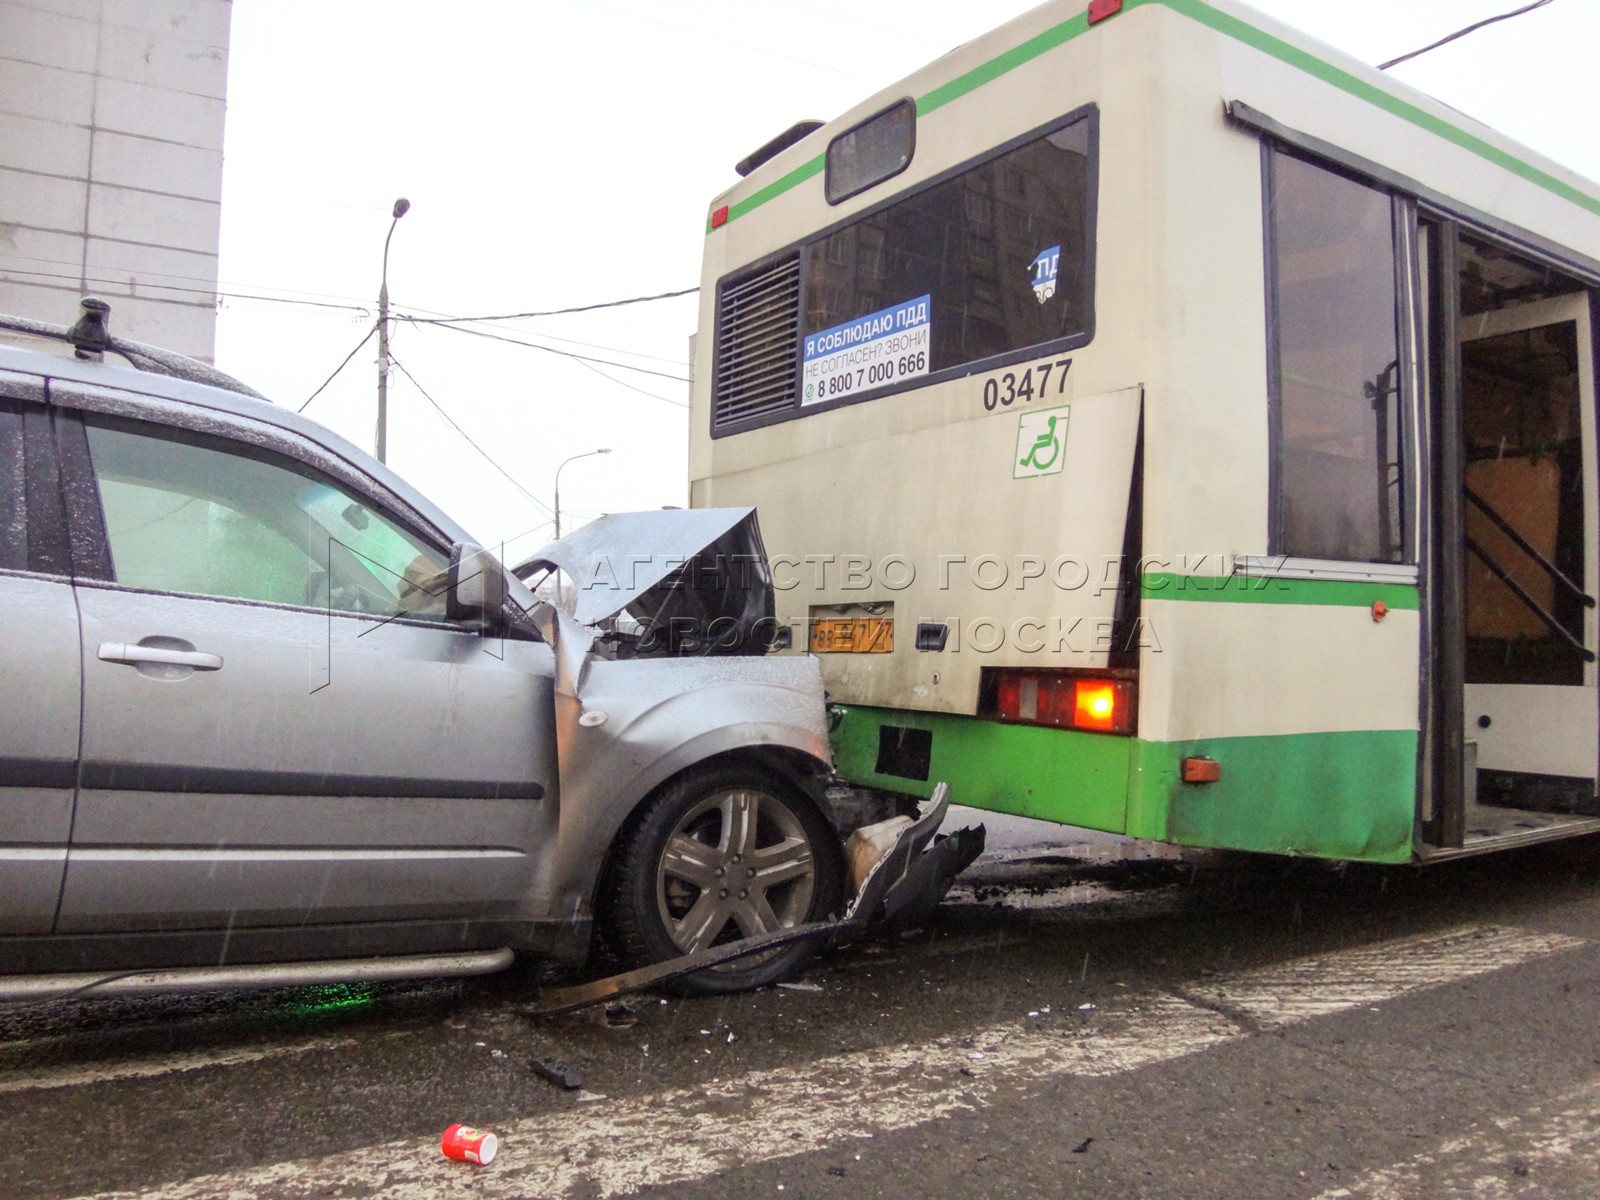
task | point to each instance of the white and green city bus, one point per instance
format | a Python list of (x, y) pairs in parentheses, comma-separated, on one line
[(1163, 423)]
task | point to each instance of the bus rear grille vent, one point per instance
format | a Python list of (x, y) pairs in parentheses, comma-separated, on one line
[(758, 324)]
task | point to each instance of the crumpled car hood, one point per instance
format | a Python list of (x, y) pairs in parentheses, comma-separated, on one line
[(696, 579)]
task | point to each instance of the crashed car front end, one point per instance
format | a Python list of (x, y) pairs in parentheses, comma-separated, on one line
[(693, 816), (663, 684)]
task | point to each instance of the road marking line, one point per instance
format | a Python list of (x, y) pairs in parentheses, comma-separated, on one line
[(691, 1133), (1312, 987), (687, 1134), (1553, 1141), (194, 1060)]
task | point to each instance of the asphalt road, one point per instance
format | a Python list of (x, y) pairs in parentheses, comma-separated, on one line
[(1080, 1020)]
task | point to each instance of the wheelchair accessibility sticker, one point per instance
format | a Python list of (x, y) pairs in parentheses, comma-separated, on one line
[(1041, 442)]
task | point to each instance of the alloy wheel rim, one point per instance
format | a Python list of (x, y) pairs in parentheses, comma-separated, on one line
[(738, 864)]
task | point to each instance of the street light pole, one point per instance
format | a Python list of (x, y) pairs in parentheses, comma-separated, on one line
[(401, 207), (574, 458)]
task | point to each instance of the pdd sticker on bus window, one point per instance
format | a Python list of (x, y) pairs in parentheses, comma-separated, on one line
[(870, 352), (1041, 442), (1044, 272)]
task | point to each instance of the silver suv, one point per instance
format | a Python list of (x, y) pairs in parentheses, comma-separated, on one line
[(269, 713)]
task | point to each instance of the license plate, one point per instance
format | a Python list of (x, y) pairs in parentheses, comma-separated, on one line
[(852, 635)]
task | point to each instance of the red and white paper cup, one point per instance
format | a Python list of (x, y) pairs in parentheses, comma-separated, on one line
[(466, 1144)]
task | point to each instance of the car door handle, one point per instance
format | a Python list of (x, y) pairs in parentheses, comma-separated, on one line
[(125, 652)]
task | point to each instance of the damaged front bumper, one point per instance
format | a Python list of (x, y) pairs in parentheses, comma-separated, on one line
[(900, 889)]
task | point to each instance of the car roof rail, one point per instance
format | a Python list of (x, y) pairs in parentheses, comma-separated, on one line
[(91, 339)]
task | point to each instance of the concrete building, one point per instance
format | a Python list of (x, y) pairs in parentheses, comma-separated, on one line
[(111, 118)]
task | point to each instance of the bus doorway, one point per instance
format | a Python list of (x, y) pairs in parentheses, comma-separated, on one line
[(1515, 574)]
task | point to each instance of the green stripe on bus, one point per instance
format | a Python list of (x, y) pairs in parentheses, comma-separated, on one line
[(1376, 96), (1057, 35), (1268, 589), (1349, 795), (774, 189), (1049, 774), (1344, 795), (1233, 27)]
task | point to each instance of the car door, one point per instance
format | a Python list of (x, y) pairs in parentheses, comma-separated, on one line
[(39, 668), (279, 725)]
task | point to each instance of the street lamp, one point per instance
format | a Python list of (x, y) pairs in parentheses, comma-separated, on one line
[(401, 207), (574, 458)]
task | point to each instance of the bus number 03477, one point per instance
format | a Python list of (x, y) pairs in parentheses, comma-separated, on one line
[(1003, 391)]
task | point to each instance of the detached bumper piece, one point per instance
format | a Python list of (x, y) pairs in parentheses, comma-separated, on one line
[(902, 889)]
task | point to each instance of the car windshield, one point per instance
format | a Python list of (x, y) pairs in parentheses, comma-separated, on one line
[(395, 561)]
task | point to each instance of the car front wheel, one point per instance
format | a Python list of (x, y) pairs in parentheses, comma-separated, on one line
[(719, 855)]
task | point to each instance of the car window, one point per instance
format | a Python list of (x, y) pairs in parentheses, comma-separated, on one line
[(190, 514)]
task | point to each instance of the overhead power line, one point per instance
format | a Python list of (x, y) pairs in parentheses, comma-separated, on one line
[(591, 363), (337, 369), (219, 292), (1461, 33), (588, 365), (604, 362), (550, 337), (583, 360), (466, 436), (208, 294), (353, 308), (555, 312)]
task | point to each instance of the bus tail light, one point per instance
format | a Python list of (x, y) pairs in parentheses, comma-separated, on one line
[(1095, 705), (1066, 701)]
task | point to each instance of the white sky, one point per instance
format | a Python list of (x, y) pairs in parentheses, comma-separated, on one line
[(564, 152)]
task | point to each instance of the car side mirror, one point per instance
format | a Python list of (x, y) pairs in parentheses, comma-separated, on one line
[(475, 588)]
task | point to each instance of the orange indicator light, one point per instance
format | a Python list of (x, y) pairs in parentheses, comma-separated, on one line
[(1201, 770), (1096, 705)]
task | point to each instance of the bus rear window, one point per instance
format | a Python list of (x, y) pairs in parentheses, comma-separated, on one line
[(986, 265), (873, 151), (1000, 251)]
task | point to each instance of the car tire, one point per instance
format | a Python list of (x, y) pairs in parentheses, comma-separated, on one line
[(779, 861)]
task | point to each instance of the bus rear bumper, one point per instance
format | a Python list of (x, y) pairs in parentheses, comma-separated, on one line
[(1348, 795)]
